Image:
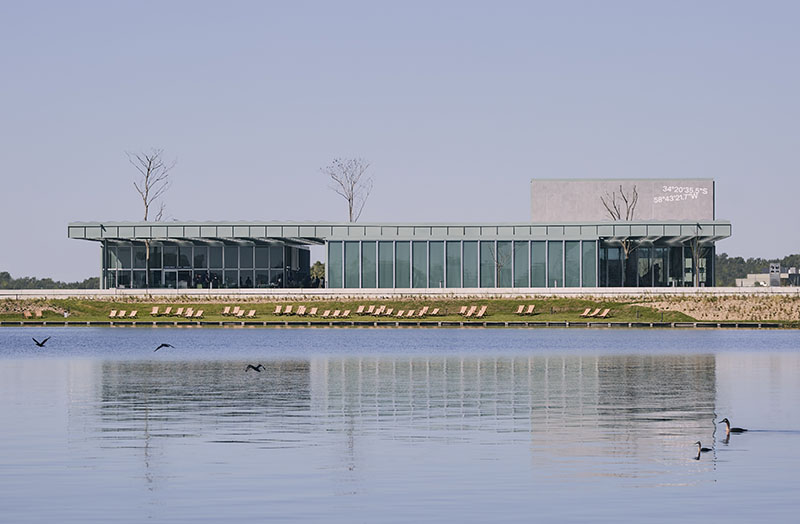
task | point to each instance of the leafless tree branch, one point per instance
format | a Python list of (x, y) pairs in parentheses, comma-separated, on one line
[(350, 181)]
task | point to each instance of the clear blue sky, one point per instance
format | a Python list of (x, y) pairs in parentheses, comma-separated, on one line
[(457, 105)]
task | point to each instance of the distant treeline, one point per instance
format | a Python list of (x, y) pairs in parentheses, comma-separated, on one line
[(9, 282), (728, 269)]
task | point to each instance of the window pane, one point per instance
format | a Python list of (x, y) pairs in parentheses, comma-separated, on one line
[(369, 260), (262, 257), (436, 264), (589, 264), (276, 278), (386, 264), (155, 257), (276, 257), (184, 279), (170, 279), (246, 278), (200, 257), (351, 264), (185, 256), (644, 269), (262, 278), (660, 266), (614, 266), (124, 278), (215, 256), (139, 279), (215, 279), (539, 264), (113, 261), (231, 279), (453, 264), (504, 263), (487, 264), (555, 264), (521, 264), (470, 263), (420, 270), (200, 279), (171, 257), (139, 258), (231, 257), (156, 278), (246, 257), (124, 256), (335, 264), (402, 267), (572, 267)]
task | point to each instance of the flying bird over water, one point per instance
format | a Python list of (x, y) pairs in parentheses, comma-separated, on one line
[(43, 342), (163, 346), (729, 429), (254, 368)]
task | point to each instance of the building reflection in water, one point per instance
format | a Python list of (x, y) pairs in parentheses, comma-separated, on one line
[(563, 409)]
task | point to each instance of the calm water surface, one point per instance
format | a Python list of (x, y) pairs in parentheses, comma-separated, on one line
[(398, 425)]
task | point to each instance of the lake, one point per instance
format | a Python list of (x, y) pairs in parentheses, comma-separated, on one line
[(398, 425)]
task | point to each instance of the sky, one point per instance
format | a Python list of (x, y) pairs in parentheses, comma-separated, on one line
[(455, 105)]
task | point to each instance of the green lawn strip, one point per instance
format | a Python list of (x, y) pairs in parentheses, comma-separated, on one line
[(498, 310)]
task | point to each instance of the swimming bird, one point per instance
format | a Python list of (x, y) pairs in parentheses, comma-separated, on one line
[(700, 448), (165, 345), (42, 343), (254, 368), (729, 429)]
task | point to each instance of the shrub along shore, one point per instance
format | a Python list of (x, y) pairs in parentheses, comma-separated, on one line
[(782, 310)]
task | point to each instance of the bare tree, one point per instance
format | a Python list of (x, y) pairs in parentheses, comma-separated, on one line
[(152, 183), (614, 204), (153, 177), (699, 252), (349, 180), (500, 261)]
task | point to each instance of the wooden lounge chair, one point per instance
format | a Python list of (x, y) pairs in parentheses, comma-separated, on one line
[(121, 313), (239, 314), (336, 314), (346, 313), (288, 310), (593, 313), (360, 309), (154, 311), (400, 313), (370, 309), (586, 312), (388, 312), (179, 312), (133, 313), (410, 313), (167, 311), (38, 313), (326, 313), (463, 310), (235, 311), (435, 312), (312, 312), (604, 314), (481, 312), (226, 311), (378, 310), (113, 314), (198, 314), (27, 314), (301, 311), (530, 309), (423, 311), (189, 312), (520, 309), (251, 313), (470, 311), (278, 310)]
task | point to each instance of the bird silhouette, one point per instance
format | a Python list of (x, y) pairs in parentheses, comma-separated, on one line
[(700, 448), (254, 368), (42, 343), (163, 346), (729, 429)]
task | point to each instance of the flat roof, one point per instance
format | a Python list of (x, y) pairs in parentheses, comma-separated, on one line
[(317, 233)]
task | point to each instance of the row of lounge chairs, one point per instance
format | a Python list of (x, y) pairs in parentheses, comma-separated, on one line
[(179, 312), (123, 313), (28, 315), (472, 311), (522, 310), (238, 312), (589, 313)]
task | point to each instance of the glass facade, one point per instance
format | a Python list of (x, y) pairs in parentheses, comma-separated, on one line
[(184, 265)]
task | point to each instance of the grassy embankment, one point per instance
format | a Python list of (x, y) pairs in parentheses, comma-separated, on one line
[(547, 309), (785, 310)]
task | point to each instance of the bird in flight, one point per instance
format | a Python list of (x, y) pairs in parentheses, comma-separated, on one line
[(163, 346), (254, 368), (42, 343)]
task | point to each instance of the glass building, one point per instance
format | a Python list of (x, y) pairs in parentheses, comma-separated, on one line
[(407, 256)]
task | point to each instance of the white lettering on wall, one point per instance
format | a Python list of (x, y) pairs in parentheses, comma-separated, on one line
[(679, 193)]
